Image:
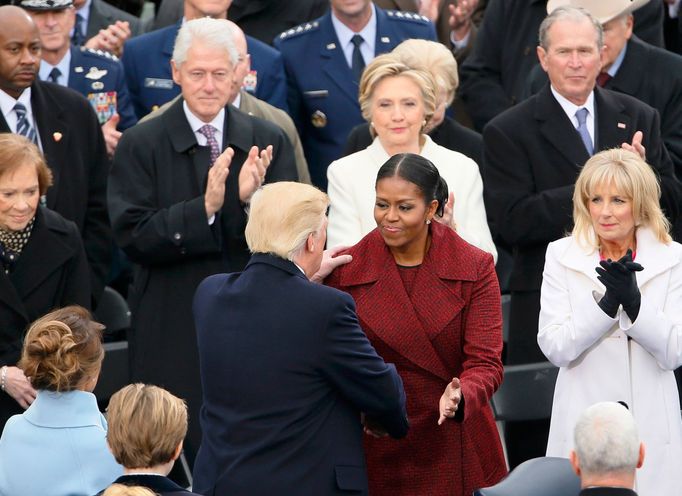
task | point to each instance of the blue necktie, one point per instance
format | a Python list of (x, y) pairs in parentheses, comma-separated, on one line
[(54, 75), (23, 125), (78, 37), (357, 62), (581, 114)]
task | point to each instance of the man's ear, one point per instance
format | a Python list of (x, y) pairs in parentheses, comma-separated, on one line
[(177, 452), (542, 57), (575, 463), (176, 73), (310, 242), (642, 452)]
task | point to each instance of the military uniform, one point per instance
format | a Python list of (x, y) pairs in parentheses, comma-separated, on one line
[(323, 96), (97, 75), (146, 59)]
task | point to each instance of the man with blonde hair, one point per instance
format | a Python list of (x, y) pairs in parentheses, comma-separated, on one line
[(147, 426), (285, 368), (607, 450)]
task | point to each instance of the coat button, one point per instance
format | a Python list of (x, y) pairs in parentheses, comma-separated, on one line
[(177, 236)]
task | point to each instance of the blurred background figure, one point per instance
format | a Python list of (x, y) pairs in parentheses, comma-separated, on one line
[(42, 263), (399, 102), (287, 372), (147, 426), (606, 450), (62, 433), (615, 330), (430, 303)]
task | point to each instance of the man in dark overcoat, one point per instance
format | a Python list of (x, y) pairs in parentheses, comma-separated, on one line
[(178, 217)]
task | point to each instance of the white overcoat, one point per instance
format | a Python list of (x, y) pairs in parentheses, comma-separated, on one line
[(605, 359), (352, 196)]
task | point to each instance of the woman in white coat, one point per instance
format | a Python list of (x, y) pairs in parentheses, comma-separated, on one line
[(612, 324), (399, 101)]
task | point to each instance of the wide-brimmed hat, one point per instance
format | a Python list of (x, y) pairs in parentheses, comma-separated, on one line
[(44, 4), (602, 10)]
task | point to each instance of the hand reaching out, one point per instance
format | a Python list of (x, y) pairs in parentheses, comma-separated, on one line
[(18, 387), (448, 219), (636, 145), (330, 261), (449, 401), (111, 135)]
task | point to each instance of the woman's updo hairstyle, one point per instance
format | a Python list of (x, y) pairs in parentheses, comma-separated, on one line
[(62, 349), (419, 171)]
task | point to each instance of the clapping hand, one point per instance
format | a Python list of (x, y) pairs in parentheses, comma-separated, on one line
[(619, 279), (449, 401), (448, 218), (252, 173), (19, 387)]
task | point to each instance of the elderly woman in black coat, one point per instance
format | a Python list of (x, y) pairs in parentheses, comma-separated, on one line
[(42, 262)]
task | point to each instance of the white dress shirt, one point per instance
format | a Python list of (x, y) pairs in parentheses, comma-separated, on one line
[(571, 108)]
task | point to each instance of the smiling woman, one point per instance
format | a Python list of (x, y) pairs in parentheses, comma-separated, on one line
[(42, 263), (399, 102), (429, 303), (616, 331)]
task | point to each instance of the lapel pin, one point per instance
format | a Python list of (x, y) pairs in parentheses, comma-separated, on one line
[(621, 125), (57, 136), (385, 39), (331, 46)]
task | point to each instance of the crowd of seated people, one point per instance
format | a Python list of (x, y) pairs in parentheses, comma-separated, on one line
[(132, 153)]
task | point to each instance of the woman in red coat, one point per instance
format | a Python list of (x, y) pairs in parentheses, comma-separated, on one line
[(430, 303)]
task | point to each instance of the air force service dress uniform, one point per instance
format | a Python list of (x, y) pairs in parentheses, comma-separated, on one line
[(323, 93), (99, 77), (146, 60)]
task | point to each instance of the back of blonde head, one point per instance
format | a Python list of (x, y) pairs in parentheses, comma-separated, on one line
[(281, 217), (62, 350)]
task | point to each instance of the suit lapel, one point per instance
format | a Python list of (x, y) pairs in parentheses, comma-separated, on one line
[(55, 135), (333, 61), (558, 130), (628, 78), (614, 126)]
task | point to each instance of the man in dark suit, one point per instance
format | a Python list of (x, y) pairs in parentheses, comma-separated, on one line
[(324, 102), (625, 59), (494, 75), (147, 63), (65, 127), (285, 366), (533, 153), (179, 218), (607, 450), (98, 76)]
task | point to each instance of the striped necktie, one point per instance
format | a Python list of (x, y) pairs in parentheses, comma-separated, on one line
[(23, 125)]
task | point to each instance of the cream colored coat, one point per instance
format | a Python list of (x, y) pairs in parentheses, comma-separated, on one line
[(352, 195), (599, 363)]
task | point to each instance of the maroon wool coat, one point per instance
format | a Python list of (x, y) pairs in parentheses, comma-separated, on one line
[(456, 295)]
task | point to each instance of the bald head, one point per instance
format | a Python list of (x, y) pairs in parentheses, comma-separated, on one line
[(19, 50), (243, 66)]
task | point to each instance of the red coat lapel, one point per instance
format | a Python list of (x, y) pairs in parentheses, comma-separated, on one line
[(384, 306)]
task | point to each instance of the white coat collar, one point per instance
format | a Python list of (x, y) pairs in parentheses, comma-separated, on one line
[(653, 255), (67, 409), (379, 155)]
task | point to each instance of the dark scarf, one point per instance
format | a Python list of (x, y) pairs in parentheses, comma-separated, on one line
[(11, 244)]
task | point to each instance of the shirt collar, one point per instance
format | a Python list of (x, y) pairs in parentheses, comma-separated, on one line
[(238, 100), (84, 11), (195, 123), (368, 33), (66, 409), (570, 108), (618, 62), (64, 66), (7, 103)]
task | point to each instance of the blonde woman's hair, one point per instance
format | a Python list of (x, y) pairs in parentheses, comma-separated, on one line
[(146, 425), (282, 216), (390, 65), (62, 350), (433, 57), (123, 490), (633, 178)]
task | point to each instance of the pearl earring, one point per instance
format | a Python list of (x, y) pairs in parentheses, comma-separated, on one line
[(428, 221)]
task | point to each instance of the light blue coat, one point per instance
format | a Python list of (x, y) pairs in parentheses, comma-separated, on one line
[(57, 447)]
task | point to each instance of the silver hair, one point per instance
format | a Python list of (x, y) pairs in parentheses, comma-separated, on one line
[(606, 440), (211, 32), (570, 13)]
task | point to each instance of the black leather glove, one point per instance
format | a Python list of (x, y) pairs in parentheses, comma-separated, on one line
[(621, 285)]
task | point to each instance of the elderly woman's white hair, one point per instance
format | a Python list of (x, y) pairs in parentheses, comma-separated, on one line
[(606, 440), (282, 215), (216, 33)]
